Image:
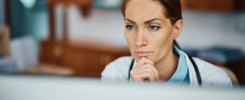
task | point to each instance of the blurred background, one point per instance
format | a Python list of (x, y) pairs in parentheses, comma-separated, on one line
[(78, 38)]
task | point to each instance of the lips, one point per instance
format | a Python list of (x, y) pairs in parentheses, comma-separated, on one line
[(142, 53)]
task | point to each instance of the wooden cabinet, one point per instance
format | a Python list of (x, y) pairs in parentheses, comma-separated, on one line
[(52, 52), (4, 41), (85, 59), (208, 5)]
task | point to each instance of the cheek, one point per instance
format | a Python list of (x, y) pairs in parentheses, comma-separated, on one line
[(163, 43), (130, 40), (161, 39)]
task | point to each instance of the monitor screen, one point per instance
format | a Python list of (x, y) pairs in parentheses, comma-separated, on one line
[(65, 88)]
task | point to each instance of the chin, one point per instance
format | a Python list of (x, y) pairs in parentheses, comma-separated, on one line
[(136, 58), (148, 57)]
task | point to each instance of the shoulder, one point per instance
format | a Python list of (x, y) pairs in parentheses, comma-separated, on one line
[(212, 75), (117, 70)]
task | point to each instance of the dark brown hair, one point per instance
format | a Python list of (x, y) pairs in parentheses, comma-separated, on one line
[(172, 11)]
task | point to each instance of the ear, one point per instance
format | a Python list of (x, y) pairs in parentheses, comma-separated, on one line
[(178, 28)]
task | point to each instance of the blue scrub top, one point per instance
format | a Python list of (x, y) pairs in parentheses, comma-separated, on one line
[(181, 74)]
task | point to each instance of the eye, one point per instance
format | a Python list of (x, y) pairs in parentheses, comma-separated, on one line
[(130, 27), (154, 27)]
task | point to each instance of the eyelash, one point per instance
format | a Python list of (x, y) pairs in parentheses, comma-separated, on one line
[(151, 27), (128, 26), (155, 26)]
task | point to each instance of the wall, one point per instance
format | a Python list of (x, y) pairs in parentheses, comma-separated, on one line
[(103, 25), (201, 30), (1, 12)]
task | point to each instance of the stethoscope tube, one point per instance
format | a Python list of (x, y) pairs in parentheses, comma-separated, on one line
[(198, 75)]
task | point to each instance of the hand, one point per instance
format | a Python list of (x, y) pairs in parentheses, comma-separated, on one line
[(144, 70)]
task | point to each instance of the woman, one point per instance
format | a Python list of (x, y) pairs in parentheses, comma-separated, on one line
[(151, 29)]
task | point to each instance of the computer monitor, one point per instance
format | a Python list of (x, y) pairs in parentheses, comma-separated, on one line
[(14, 87)]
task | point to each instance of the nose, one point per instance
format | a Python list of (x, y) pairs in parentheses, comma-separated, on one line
[(141, 39)]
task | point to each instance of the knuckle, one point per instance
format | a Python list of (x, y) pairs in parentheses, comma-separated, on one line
[(149, 70)]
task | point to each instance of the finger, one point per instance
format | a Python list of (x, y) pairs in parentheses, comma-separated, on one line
[(155, 73), (143, 61), (137, 77), (148, 61), (145, 69), (143, 76), (152, 70), (149, 68)]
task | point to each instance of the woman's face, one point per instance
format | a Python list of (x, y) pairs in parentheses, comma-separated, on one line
[(148, 32)]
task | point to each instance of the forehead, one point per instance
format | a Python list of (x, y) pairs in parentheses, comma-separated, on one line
[(141, 10)]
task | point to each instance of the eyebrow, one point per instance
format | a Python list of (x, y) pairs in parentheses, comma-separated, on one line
[(146, 22)]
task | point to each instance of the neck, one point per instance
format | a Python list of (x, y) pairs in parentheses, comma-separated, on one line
[(167, 66)]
